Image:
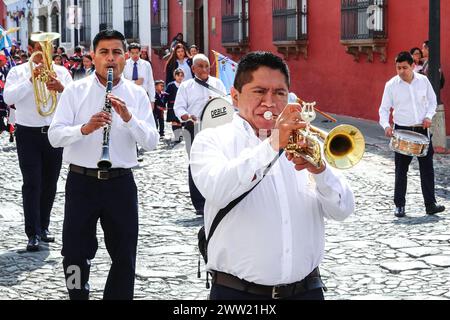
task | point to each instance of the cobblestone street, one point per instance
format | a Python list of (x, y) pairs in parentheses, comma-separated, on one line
[(371, 255)]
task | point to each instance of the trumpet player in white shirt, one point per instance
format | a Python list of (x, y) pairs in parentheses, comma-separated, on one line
[(106, 194), (271, 243), (414, 103)]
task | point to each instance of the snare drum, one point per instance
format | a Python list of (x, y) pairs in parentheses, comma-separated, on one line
[(218, 111), (409, 143)]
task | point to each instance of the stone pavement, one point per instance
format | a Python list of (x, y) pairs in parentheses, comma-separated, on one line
[(371, 255)]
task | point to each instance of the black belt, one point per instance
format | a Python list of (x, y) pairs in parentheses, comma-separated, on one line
[(42, 130), (418, 129), (310, 282), (98, 173)]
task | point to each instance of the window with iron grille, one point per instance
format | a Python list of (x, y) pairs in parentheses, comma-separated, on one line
[(235, 21), (42, 23), (66, 33), (131, 24), (363, 19), (290, 20), (159, 23), (85, 29), (105, 14), (54, 20)]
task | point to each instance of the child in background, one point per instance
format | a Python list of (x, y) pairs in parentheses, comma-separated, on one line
[(160, 106), (171, 90)]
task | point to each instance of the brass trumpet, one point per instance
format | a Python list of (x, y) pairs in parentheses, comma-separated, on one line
[(343, 147), (41, 94)]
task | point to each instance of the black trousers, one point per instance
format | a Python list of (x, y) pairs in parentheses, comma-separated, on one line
[(115, 203), (219, 292), (159, 120), (40, 165), (426, 173), (198, 201)]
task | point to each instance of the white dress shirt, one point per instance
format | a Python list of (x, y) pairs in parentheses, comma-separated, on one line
[(84, 98), (19, 91), (192, 97), (144, 71), (275, 235), (412, 103)]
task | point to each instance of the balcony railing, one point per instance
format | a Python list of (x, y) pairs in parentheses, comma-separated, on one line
[(289, 25), (363, 19), (234, 29)]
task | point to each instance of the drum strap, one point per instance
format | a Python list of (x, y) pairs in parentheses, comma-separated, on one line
[(209, 87)]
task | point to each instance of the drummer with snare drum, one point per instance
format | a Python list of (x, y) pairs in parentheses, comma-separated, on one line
[(414, 103), (192, 97)]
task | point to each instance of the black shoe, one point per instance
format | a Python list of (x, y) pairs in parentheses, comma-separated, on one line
[(33, 243), (399, 212), (46, 236), (433, 208)]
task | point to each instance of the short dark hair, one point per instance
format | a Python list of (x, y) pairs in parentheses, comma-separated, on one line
[(178, 71), (78, 49), (404, 56), (31, 42), (107, 35), (414, 50), (427, 43), (62, 49), (134, 45), (159, 82), (253, 61)]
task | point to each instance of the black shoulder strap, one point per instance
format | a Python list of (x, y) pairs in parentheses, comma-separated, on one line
[(209, 87), (224, 211)]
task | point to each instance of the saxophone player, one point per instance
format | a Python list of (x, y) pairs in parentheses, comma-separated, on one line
[(106, 194), (39, 162)]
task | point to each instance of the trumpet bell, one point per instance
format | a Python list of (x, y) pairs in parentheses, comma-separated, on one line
[(44, 37), (344, 146)]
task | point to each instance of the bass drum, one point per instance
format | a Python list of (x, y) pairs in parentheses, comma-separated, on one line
[(218, 111)]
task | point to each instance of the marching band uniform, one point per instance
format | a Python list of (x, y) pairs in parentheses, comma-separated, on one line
[(275, 235), (39, 162), (93, 194), (191, 99), (412, 103)]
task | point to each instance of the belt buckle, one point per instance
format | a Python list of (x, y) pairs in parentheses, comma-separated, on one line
[(275, 293), (44, 130), (100, 175)]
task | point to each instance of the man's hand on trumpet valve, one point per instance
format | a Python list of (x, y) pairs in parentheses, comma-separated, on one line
[(301, 164), (286, 123)]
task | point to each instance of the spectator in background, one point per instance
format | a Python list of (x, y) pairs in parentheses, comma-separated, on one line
[(417, 57), (160, 106), (172, 89), (57, 59), (60, 50), (85, 69), (193, 50), (426, 57), (178, 59), (24, 58), (139, 71)]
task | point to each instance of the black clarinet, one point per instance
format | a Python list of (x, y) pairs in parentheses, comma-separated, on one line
[(105, 162)]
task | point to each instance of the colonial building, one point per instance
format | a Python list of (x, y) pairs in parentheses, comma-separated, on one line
[(78, 21), (340, 52)]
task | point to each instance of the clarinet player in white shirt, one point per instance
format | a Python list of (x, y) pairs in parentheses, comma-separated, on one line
[(270, 245), (93, 194)]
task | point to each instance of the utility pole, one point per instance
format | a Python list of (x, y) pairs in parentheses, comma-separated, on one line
[(439, 130), (75, 12)]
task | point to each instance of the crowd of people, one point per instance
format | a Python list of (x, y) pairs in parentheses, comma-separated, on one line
[(109, 98)]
